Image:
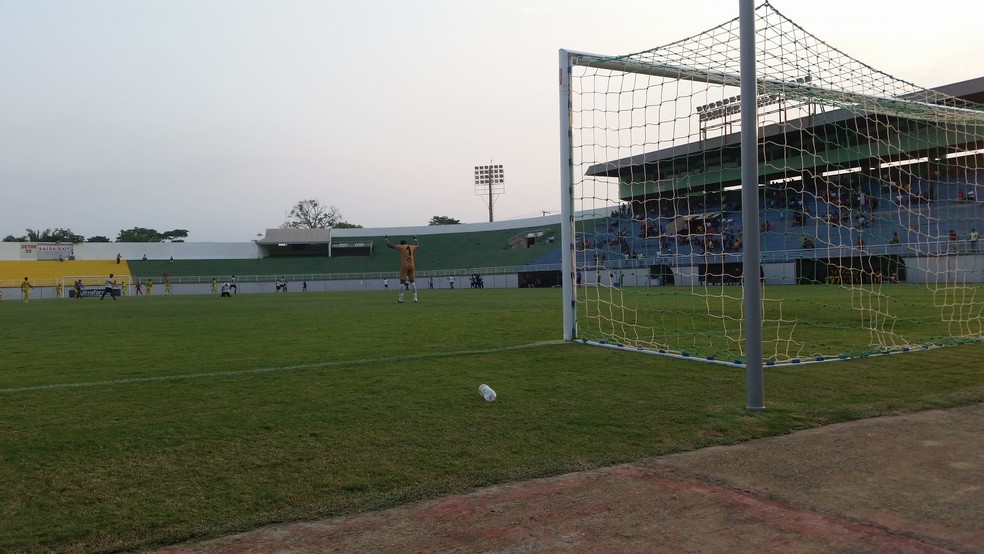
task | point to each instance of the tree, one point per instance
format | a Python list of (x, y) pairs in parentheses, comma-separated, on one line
[(36, 235), (60, 235), (138, 234), (443, 220), (98, 238), (175, 235), (312, 214), (143, 234), (347, 225)]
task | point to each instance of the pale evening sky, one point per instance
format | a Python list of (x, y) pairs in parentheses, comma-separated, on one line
[(216, 116)]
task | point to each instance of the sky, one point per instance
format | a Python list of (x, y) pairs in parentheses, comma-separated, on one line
[(218, 116)]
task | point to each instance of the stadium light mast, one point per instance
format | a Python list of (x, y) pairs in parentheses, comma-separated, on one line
[(489, 181)]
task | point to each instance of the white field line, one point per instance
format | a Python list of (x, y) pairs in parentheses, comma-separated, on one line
[(362, 361)]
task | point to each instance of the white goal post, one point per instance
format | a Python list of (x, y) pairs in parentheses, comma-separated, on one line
[(818, 210)]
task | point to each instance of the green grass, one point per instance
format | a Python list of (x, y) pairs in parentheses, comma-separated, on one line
[(151, 421), (799, 322)]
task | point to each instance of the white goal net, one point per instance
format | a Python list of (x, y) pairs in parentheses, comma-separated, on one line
[(869, 200)]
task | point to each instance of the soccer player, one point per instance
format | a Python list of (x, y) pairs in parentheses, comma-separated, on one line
[(214, 285), (150, 286), (407, 273), (108, 288), (26, 287), (167, 288)]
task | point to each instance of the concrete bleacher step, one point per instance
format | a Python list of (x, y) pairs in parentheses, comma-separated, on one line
[(49, 273)]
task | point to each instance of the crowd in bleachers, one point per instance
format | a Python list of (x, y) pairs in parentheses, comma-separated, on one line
[(901, 207)]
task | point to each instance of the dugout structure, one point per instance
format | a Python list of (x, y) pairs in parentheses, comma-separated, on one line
[(695, 159)]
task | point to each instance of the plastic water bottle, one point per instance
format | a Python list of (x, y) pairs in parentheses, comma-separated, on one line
[(487, 393)]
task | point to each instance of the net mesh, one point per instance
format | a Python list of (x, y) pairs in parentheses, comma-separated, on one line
[(868, 192)]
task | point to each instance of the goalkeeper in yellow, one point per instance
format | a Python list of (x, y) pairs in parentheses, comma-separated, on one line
[(407, 274)]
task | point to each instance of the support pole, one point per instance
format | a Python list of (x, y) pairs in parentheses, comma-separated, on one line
[(752, 287), (568, 260)]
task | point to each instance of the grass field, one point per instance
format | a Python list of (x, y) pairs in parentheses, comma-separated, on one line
[(151, 421), (799, 322)]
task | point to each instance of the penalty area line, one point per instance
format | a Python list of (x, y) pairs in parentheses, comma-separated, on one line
[(338, 363)]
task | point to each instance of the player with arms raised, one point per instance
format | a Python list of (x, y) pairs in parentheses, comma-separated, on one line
[(407, 274)]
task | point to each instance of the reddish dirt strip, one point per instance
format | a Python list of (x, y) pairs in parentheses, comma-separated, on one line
[(911, 483)]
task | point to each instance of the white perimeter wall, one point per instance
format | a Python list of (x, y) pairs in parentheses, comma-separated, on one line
[(10, 251)]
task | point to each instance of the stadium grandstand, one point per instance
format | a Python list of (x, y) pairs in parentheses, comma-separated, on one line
[(677, 206), (506, 254), (915, 198)]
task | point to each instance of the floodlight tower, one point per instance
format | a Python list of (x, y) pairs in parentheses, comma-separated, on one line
[(489, 181)]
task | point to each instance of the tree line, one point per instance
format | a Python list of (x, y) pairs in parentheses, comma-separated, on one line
[(306, 214), (136, 234)]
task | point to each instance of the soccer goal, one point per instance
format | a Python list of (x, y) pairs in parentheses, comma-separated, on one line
[(862, 214)]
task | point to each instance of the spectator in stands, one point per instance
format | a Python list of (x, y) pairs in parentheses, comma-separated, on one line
[(971, 195), (407, 269), (26, 287), (953, 235), (895, 239), (807, 244), (974, 235), (960, 195), (118, 258), (860, 243)]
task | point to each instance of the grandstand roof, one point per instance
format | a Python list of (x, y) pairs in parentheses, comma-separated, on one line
[(690, 159), (295, 236)]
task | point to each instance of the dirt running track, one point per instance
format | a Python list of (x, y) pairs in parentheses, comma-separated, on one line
[(910, 483)]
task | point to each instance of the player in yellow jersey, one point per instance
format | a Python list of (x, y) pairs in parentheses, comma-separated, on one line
[(214, 285), (150, 286), (167, 288), (26, 287), (407, 272)]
